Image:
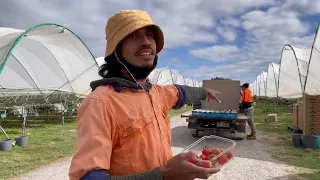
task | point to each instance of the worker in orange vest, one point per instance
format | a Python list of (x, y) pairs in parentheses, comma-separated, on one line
[(246, 106)]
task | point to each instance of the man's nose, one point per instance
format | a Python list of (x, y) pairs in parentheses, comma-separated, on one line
[(145, 41)]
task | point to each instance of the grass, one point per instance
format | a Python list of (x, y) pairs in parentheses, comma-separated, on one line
[(308, 160), (48, 141), (179, 111)]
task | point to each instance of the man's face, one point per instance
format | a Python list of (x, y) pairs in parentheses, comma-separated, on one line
[(139, 48)]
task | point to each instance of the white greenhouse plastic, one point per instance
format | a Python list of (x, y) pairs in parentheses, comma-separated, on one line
[(46, 57), (263, 85), (293, 70), (100, 61), (313, 75), (297, 73), (272, 80)]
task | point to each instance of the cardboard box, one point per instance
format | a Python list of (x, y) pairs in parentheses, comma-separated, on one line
[(311, 125), (295, 116), (300, 114), (230, 94), (272, 118)]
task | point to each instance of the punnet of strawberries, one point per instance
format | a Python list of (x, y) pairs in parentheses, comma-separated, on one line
[(208, 158)]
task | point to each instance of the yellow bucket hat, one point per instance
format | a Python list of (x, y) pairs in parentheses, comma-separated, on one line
[(126, 22)]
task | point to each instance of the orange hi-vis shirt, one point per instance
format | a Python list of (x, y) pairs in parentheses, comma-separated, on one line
[(246, 96), (124, 133)]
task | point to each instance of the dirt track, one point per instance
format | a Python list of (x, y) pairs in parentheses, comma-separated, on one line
[(251, 162)]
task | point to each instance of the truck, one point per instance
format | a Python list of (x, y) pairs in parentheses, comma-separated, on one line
[(222, 119)]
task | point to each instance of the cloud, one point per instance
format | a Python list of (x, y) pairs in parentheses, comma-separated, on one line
[(266, 40), (302, 6), (228, 34), (234, 70), (265, 34), (217, 53), (183, 23), (244, 32)]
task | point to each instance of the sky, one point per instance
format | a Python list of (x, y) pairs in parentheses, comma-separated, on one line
[(203, 38)]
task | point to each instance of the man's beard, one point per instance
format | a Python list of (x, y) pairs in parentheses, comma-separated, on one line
[(137, 72)]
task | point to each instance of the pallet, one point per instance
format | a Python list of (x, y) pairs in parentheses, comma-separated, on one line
[(294, 130)]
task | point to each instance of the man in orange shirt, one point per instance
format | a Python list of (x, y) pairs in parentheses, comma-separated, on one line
[(123, 131), (246, 106)]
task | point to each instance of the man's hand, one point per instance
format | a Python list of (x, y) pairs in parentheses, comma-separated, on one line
[(212, 94), (180, 168)]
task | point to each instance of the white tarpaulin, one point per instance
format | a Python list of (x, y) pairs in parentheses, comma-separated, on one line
[(46, 57), (272, 80), (293, 68), (313, 77), (297, 72)]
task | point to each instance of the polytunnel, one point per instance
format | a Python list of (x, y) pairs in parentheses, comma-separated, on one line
[(262, 83), (190, 82), (258, 85), (257, 82), (100, 61), (154, 76), (165, 77), (312, 85), (272, 80), (293, 71), (43, 59), (198, 84), (252, 87), (177, 77)]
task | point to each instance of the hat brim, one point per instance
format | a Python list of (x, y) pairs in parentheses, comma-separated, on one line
[(132, 27)]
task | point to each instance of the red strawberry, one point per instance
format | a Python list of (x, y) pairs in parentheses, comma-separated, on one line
[(229, 155), (211, 156), (193, 161), (222, 159), (216, 151), (206, 151), (206, 164), (203, 157)]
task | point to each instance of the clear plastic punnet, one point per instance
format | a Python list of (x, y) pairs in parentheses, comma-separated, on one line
[(212, 151)]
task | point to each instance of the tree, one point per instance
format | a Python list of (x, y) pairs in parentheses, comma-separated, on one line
[(220, 78)]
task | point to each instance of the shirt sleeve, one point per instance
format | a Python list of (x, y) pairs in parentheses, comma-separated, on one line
[(174, 97), (96, 134)]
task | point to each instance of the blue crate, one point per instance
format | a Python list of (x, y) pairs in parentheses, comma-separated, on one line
[(318, 141), (196, 113), (3, 115), (229, 115), (215, 114)]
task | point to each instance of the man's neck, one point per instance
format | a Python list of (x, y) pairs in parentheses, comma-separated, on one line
[(126, 75)]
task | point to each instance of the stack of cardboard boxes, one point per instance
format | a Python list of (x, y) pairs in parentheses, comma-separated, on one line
[(300, 115), (306, 114), (295, 115), (311, 115)]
